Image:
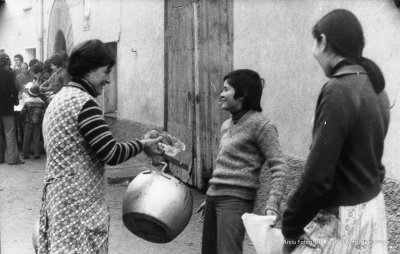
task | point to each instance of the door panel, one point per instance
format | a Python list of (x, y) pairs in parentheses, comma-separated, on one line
[(199, 52), (181, 114)]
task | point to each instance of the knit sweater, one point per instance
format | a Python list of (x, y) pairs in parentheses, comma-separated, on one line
[(245, 148)]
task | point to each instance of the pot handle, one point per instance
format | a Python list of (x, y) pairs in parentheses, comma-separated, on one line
[(163, 173)]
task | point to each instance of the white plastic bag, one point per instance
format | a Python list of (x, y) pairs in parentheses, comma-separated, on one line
[(266, 239)]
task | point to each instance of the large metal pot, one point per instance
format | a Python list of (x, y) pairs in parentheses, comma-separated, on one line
[(157, 206)]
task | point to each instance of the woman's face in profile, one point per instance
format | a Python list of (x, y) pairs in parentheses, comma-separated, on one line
[(319, 53), (227, 100), (98, 78), (316, 50)]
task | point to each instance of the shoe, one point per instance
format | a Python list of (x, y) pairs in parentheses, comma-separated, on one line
[(36, 157), (26, 157), (17, 163)]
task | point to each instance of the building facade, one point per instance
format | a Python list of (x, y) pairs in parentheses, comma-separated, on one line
[(172, 55)]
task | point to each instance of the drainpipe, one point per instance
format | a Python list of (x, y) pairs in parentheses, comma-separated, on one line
[(41, 33)]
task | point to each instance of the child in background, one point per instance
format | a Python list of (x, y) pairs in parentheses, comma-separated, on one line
[(32, 115)]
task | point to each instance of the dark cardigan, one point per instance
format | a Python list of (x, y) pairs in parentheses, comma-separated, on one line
[(344, 166), (8, 92)]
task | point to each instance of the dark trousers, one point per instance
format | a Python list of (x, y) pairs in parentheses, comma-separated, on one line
[(19, 129), (8, 142), (223, 229), (32, 131)]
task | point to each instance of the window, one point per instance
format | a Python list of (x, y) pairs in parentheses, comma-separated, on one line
[(30, 53)]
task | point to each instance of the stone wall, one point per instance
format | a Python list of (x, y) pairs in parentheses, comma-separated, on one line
[(391, 191)]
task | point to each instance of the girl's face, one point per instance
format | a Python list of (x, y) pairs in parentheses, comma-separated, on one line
[(227, 101), (98, 78), (53, 67)]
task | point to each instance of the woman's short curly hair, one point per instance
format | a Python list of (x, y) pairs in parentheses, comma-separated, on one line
[(88, 56)]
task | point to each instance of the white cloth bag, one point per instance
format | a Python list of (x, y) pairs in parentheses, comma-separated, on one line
[(266, 239)]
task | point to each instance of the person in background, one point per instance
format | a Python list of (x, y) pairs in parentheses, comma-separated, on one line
[(32, 62), (338, 202), (59, 77), (23, 78), (74, 217), (37, 71), (249, 143), (32, 114), (8, 99), (47, 71), (18, 60)]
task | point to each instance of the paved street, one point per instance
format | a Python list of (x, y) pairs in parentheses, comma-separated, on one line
[(20, 192)]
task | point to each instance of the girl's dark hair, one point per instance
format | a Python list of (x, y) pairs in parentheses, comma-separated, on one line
[(37, 68), (32, 62), (345, 37), (247, 84), (57, 60), (88, 56)]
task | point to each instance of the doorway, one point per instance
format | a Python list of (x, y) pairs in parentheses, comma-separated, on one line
[(59, 43)]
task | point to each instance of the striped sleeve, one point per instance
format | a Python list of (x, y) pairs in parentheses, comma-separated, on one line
[(94, 129)]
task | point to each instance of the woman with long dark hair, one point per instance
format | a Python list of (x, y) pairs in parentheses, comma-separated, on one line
[(338, 203)]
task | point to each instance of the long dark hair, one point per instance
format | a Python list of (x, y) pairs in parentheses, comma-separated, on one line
[(345, 37), (247, 84)]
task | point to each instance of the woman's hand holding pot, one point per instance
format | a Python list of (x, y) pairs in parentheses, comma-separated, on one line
[(151, 147)]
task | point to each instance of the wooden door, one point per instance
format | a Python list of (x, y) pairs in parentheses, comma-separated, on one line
[(180, 79), (198, 54)]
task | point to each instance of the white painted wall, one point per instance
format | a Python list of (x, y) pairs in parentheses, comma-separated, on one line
[(137, 25), (274, 38), (18, 29)]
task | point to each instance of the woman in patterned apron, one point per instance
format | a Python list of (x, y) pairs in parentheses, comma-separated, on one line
[(74, 217), (338, 206)]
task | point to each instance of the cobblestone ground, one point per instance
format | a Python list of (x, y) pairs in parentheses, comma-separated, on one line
[(20, 192)]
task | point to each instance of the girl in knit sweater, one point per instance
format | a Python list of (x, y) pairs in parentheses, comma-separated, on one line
[(249, 142)]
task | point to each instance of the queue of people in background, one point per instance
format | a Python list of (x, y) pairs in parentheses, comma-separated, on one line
[(43, 80), (47, 79)]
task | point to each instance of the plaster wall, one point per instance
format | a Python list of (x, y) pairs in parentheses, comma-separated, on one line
[(138, 28), (274, 38), (18, 28)]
